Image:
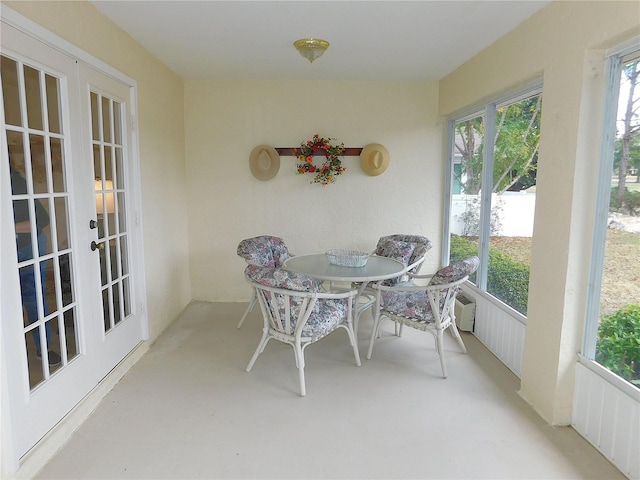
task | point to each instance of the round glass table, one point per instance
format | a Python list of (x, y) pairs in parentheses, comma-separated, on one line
[(317, 265)]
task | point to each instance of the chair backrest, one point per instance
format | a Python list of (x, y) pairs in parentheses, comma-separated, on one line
[(293, 303), (441, 292), (444, 286), (408, 249), (456, 271), (263, 250)]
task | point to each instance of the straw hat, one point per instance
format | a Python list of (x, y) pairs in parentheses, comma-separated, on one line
[(374, 159), (264, 162)]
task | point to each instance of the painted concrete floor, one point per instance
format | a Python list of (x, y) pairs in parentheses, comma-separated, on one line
[(188, 410)]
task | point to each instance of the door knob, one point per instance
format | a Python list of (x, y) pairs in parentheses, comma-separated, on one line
[(97, 246), (93, 224)]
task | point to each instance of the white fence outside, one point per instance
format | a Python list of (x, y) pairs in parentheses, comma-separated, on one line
[(515, 211)]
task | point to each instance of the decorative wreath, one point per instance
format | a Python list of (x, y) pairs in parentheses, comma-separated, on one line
[(332, 166)]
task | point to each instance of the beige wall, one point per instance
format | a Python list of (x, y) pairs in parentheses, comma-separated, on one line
[(161, 139), (564, 42), (226, 120)]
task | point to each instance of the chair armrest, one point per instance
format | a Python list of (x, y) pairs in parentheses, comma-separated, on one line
[(415, 275)]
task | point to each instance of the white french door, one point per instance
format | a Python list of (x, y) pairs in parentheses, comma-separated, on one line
[(71, 296)]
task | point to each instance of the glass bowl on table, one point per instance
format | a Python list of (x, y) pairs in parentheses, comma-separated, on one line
[(347, 258)]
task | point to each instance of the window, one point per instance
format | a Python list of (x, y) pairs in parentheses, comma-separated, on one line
[(612, 333), (492, 167)]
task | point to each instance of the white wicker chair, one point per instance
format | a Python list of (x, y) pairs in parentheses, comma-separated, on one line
[(429, 308), (298, 313), (409, 249), (264, 251)]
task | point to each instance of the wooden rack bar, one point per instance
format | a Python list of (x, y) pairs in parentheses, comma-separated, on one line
[(348, 152)]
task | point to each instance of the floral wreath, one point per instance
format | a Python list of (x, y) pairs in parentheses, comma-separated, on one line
[(332, 166)]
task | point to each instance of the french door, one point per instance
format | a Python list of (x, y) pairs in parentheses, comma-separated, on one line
[(71, 300)]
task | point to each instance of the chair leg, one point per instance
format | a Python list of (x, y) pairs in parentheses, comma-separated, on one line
[(299, 353), (374, 333), (254, 298), (456, 334), (440, 347), (354, 344), (263, 343)]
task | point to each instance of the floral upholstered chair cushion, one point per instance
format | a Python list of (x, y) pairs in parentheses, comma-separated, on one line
[(407, 249), (263, 250), (280, 278), (416, 305), (326, 314), (396, 249), (455, 271)]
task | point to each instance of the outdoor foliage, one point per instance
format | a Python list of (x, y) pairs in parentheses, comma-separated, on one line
[(633, 153), (628, 202), (515, 152), (628, 126), (618, 347), (507, 279)]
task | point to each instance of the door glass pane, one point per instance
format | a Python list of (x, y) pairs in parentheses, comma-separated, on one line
[(108, 165), (117, 123), (41, 211), (106, 120), (53, 103), (34, 98), (59, 184), (618, 341), (38, 163), (111, 201), (11, 92), (106, 310), (467, 181), (95, 118), (515, 158)]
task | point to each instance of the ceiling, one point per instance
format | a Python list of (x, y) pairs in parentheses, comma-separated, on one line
[(369, 40)]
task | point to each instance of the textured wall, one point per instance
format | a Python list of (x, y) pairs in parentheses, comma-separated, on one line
[(226, 120)]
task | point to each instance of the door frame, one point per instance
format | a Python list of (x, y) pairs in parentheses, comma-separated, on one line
[(10, 461)]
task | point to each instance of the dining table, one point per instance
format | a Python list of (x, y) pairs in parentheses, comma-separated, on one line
[(377, 268)]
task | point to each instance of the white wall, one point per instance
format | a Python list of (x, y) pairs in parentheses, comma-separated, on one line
[(226, 120)]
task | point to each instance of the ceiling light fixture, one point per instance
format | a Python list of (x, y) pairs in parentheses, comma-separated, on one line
[(311, 48)]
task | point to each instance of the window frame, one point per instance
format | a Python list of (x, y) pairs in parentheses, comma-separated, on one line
[(615, 59), (488, 110)]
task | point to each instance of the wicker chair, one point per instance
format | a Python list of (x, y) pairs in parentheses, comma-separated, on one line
[(411, 250), (264, 251), (429, 308), (298, 313)]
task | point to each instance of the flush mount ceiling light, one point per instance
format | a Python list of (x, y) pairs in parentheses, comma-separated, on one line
[(311, 48)]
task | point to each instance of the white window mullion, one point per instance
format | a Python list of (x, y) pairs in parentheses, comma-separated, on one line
[(448, 192), (485, 194), (614, 70)]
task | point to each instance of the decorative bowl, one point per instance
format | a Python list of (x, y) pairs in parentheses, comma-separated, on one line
[(347, 258)]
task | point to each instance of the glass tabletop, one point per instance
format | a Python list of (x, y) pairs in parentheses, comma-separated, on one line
[(317, 265)]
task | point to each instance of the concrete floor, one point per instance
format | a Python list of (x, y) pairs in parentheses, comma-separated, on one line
[(188, 410)]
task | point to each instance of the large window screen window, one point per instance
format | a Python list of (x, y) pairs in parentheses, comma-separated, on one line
[(493, 164), (612, 333)]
